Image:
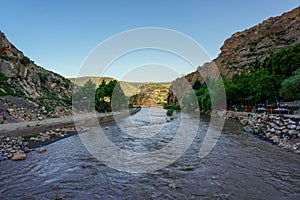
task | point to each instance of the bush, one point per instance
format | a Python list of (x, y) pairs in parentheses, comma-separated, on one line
[(25, 60), (170, 112), (42, 76), (4, 85), (173, 107)]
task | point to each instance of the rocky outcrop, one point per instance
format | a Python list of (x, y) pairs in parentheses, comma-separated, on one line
[(246, 50), (28, 79), (21, 79), (150, 94)]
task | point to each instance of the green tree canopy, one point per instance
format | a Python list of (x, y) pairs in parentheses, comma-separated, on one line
[(291, 87), (263, 86), (84, 98), (284, 62), (110, 96)]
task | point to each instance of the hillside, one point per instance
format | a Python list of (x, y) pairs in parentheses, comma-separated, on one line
[(247, 50), (47, 91), (97, 80), (143, 94), (151, 94)]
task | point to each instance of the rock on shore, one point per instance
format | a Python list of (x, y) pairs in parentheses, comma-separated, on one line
[(13, 148), (281, 131)]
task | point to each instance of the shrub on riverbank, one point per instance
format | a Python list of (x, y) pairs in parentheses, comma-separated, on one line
[(170, 109), (170, 112)]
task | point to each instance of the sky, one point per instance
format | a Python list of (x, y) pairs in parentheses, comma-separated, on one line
[(59, 35)]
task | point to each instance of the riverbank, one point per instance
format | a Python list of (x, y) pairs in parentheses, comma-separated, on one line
[(21, 138), (283, 131)]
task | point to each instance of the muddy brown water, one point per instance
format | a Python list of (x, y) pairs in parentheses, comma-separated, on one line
[(240, 166)]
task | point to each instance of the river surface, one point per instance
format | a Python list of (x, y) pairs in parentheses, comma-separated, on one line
[(240, 166)]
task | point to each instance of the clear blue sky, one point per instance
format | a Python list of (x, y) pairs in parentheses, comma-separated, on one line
[(59, 34)]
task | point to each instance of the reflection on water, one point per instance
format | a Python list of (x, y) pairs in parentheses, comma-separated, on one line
[(239, 167)]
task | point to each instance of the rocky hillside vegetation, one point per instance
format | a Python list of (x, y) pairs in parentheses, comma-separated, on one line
[(141, 94), (49, 93), (246, 51), (150, 94)]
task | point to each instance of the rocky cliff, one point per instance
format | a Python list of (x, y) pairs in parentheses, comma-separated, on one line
[(150, 94), (246, 50), (50, 93), (28, 79)]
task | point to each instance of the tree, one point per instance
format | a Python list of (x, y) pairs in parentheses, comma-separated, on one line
[(284, 62), (197, 85), (263, 86), (238, 89), (291, 87), (84, 98), (110, 96)]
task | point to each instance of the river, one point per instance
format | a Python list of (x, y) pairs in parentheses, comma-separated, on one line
[(240, 166)]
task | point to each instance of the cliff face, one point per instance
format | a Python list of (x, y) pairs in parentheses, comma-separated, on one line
[(19, 76), (150, 94), (28, 79), (245, 51)]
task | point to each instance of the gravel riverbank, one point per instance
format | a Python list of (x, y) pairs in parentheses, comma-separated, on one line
[(17, 139)]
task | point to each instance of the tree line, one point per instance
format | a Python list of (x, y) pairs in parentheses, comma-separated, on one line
[(278, 78), (107, 97)]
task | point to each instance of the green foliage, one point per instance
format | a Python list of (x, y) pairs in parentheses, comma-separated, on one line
[(197, 85), (110, 96), (5, 87), (25, 60), (173, 107), (291, 87), (43, 76), (84, 97), (203, 97), (263, 86), (284, 62), (4, 58), (170, 112)]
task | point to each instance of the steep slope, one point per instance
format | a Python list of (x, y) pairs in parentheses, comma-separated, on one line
[(26, 78), (28, 91), (245, 51), (150, 94)]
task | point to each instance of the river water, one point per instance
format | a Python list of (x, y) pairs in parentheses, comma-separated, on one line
[(240, 166)]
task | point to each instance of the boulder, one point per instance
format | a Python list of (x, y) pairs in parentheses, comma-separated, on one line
[(291, 126), (41, 150), (272, 130), (293, 132), (58, 130), (18, 156), (291, 122)]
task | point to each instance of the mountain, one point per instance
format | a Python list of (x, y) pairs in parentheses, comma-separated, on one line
[(26, 78), (23, 81), (245, 51), (141, 93), (97, 80), (150, 94)]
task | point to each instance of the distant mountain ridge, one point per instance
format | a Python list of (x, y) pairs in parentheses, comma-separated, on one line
[(140, 93)]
